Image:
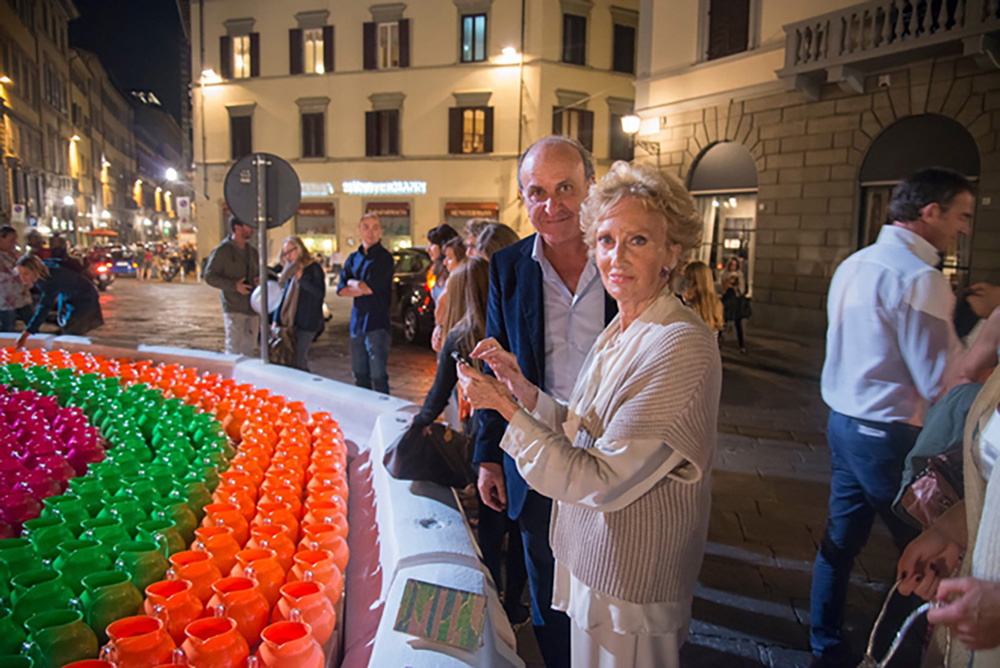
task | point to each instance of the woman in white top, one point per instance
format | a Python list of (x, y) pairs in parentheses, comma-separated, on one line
[(628, 460), (972, 526)]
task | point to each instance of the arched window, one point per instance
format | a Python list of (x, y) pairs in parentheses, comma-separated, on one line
[(723, 182), (907, 146)]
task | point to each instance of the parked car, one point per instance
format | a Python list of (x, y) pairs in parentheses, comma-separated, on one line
[(412, 304), (123, 262)]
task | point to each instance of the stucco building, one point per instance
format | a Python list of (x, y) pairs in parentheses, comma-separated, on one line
[(791, 122), (416, 111)]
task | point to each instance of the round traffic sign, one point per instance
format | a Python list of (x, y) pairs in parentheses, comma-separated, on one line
[(281, 187)]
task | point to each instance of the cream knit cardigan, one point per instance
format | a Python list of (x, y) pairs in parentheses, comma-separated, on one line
[(982, 512), (651, 550)]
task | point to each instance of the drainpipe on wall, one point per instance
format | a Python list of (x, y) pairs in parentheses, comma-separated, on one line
[(520, 90), (201, 87)]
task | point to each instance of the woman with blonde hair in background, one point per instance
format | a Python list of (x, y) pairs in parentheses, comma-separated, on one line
[(699, 293), (303, 289)]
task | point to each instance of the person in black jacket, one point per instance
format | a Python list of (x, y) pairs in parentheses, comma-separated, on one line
[(303, 286), (468, 289), (75, 298)]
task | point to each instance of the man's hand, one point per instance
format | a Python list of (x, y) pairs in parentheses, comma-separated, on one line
[(243, 287), (983, 298), (492, 487), (974, 615), (354, 288)]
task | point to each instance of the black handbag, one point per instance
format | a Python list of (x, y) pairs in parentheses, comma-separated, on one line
[(441, 456)]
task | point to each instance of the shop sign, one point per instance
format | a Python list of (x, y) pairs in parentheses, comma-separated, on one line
[(388, 208), (384, 187), (314, 189), (315, 209), (471, 210)]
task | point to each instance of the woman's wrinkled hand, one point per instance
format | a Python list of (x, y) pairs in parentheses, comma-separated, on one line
[(504, 365), (929, 558), (486, 392), (972, 612)]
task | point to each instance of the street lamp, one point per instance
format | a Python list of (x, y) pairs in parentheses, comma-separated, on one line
[(4, 79), (630, 126), (171, 174), (68, 200)]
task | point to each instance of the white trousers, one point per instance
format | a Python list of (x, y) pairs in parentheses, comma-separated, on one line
[(241, 333), (603, 648)]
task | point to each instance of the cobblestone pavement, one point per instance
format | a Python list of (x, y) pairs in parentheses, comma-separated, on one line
[(770, 483)]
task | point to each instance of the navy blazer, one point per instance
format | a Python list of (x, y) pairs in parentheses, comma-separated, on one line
[(515, 317)]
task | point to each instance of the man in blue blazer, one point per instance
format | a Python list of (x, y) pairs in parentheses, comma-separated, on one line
[(547, 305)]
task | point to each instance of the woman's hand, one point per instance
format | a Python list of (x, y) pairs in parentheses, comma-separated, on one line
[(974, 614), (932, 556), (486, 392), (504, 366), (437, 341)]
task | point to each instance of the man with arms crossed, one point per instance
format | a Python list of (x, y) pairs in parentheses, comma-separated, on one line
[(367, 276), (547, 306)]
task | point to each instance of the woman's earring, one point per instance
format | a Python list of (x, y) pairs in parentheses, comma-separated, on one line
[(665, 272)]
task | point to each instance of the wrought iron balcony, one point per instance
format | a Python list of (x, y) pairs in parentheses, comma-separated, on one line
[(846, 45)]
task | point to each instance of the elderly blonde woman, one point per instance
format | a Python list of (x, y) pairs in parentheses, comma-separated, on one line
[(628, 459)]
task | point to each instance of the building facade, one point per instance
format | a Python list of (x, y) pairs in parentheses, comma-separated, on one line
[(22, 187), (414, 111), (159, 148), (67, 133), (791, 122)]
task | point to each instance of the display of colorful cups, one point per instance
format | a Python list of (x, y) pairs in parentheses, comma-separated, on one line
[(223, 504)]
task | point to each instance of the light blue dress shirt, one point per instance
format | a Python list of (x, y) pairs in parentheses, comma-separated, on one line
[(573, 321)]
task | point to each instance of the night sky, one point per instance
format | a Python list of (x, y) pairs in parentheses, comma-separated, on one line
[(139, 43)]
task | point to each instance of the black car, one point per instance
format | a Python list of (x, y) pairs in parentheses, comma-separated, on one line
[(412, 303)]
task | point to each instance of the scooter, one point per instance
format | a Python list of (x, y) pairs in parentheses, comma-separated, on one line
[(101, 275), (170, 270)]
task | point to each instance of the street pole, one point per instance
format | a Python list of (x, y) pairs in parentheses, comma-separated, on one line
[(262, 163)]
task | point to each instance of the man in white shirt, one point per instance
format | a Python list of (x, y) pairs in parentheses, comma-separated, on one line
[(547, 305), (890, 343)]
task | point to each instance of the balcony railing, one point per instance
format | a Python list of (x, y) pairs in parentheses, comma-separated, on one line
[(849, 42)]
